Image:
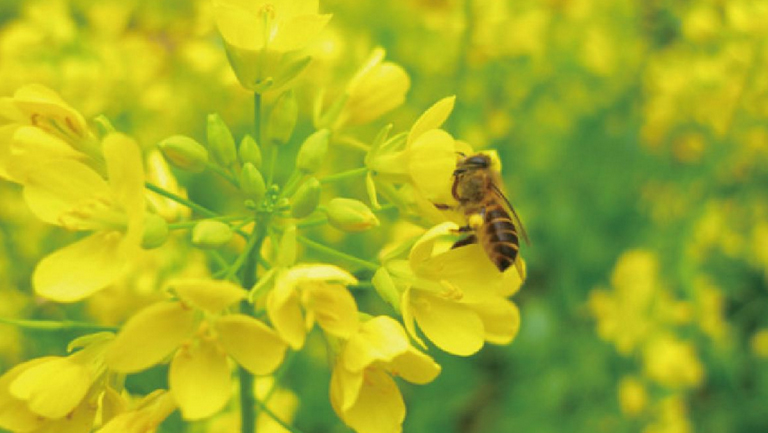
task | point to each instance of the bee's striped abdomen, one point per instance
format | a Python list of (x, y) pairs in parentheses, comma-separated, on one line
[(499, 237)]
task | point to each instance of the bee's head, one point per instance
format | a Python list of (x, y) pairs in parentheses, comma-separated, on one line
[(478, 161)]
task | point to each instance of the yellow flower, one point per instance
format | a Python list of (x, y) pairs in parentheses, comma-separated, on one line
[(145, 416), (261, 37), (377, 88), (363, 392), (624, 313), (307, 293), (425, 157), (456, 296), (55, 393), (43, 127), (672, 363), (633, 397), (199, 375), (71, 194)]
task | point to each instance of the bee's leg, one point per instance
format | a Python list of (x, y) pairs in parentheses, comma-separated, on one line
[(471, 239), (443, 206)]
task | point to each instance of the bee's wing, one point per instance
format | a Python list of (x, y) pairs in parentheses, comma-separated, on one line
[(516, 219)]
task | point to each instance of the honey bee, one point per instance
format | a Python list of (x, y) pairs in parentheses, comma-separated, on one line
[(491, 219)]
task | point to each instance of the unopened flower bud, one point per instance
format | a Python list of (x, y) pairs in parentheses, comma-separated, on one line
[(184, 153), (282, 119), (386, 288), (220, 141), (155, 231), (250, 152), (211, 234), (312, 152), (306, 199), (252, 183), (286, 253), (350, 215)]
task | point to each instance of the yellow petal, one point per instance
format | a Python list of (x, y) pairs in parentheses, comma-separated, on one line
[(126, 172), (379, 407), (200, 380), (209, 295), (452, 326), (29, 146), (469, 269), (379, 339), (251, 343), (345, 387), (334, 308), (415, 367), (312, 272), (501, 320), (284, 310), (422, 249), (431, 162), (57, 186), (433, 118), (293, 8), (149, 336), (80, 269), (37, 101), (297, 32), (54, 388), (240, 27), (14, 413), (408, 319)]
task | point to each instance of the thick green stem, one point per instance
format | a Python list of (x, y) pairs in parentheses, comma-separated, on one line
[(190, 204)]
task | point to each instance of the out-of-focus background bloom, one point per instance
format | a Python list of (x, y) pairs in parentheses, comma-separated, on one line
[(634, 142)]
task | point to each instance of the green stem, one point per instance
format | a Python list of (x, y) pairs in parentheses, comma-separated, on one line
[(272, 163), (50, 325), (345, 175), (190, 204), (226, 218), (257, 118), (336, 253), (277, 419), (221, 172)]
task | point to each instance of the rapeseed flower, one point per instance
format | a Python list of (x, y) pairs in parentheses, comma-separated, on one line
[(456, 296), (309, 293), (145, 415), (363, 391), (71, 194), (55, 393), (200, 335), (262, 38)]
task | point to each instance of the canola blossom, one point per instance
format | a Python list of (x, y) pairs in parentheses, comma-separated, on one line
[(258, 216)]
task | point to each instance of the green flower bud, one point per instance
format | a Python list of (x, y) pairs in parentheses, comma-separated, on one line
[(211, 234), (306, 199), (184, 153), (282, 119), (350, 215), (386, 288), (252, 183), (155, 231), (220, 141), (249, 151), (312, 152), (286, 252)]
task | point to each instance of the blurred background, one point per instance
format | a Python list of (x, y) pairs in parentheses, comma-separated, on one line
[(634, 142)]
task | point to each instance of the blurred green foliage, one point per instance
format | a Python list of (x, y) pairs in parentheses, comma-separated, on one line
[(622, 126)]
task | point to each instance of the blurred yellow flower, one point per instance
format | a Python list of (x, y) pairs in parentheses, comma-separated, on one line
[(145, 416), (633, 397), (55, 393), (307, 293), (363, 392), (72, 195), (759, 343), (199, 375), (456, 296), (261, 36), (672, 362)]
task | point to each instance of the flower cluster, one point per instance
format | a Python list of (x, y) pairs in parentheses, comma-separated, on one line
[(249, 268)]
